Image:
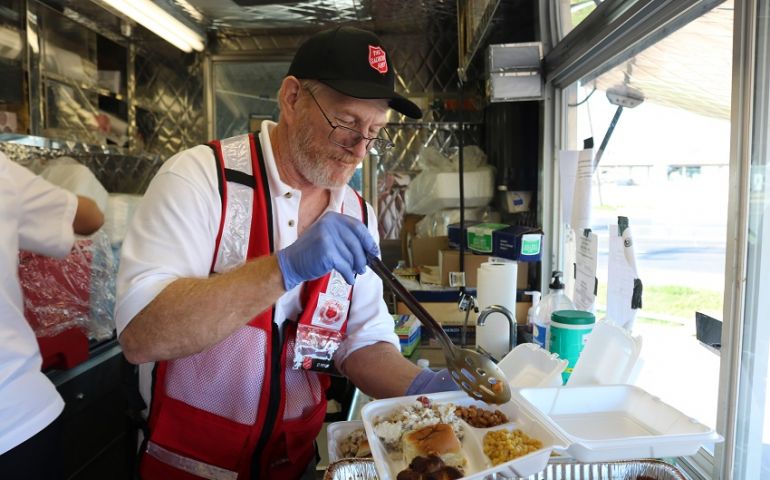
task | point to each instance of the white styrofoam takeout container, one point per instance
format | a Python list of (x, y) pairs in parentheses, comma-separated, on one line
[(336, 432), (528, 365), (479, 466), (609, 357), (597, 423), (601, 423)]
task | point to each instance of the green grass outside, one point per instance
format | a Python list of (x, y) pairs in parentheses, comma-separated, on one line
[(580, 14), (666, 303)]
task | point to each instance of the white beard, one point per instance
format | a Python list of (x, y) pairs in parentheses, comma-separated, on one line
[(320, 168)]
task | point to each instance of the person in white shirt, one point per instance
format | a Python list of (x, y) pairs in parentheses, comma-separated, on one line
[(40, 217), (212, 305)]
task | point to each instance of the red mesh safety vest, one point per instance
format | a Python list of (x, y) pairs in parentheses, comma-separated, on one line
[(238, 410)]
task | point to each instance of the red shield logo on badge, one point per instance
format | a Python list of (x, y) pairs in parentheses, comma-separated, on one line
[(377, 59), (330, 312), (307, 363)]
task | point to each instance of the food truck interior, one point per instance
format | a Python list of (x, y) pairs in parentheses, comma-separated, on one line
[(552, 129)]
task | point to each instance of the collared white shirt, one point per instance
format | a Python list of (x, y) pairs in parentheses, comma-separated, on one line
[(35, 216), (173, 234)]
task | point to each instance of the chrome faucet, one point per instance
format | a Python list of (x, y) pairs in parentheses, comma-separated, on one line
[(511, 322), (466, 304)]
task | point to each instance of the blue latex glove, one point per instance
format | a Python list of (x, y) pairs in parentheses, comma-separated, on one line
[(335, 241), (428, 381)]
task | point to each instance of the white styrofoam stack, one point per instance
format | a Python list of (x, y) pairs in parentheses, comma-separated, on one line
[(496, 286)]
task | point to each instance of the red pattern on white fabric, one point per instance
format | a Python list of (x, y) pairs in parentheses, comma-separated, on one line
[(303, 388)]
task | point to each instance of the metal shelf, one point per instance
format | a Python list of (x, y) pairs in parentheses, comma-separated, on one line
[(473, 19), (83, 86)]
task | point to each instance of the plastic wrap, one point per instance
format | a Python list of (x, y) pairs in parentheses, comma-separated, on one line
[(359, 469), (117, 217), (435, 224), (437, 187), (77, 291), (68, 173)]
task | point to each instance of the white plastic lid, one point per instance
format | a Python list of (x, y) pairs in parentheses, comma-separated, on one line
[(528, 365), (608, 358)]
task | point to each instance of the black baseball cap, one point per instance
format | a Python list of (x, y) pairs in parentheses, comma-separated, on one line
[(353, 62)]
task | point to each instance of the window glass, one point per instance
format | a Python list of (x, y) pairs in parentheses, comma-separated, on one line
[(752, 444), (244, 94), (580, 9), (665, 167)]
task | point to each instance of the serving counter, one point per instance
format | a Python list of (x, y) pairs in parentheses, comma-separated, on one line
[(97, 431)]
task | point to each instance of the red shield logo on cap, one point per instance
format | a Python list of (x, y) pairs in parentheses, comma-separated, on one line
[(377, 59)]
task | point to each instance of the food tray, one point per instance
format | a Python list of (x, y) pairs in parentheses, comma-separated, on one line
[(629, 470), (602, 423), (336, 433), (478, 466), (351, 469)]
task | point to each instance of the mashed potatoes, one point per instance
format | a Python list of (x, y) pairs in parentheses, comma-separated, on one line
[(421, 413)]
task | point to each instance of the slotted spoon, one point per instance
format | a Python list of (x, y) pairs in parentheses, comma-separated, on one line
[(475, 373)]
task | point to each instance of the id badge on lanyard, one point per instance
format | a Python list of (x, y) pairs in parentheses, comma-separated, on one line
[(321, 334)]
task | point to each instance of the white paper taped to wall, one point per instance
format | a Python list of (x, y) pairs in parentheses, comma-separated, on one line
[(585, 270), (623, 283), (581, 203), (568, 161)]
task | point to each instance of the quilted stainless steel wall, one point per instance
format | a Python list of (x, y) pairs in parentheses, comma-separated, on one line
[(169, 101)]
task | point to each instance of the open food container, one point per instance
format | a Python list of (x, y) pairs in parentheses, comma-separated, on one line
[(528, 365), (389, 462), (614, 422), (337, 434), (598, 423)]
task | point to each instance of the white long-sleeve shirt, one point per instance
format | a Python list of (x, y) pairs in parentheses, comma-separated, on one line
[(36, 216)]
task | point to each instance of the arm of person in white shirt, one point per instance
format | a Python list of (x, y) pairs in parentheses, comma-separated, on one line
[(191, 314), (379, 370), (88, 217)]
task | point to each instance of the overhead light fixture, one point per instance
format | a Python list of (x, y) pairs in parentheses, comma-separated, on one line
[(160, 22)]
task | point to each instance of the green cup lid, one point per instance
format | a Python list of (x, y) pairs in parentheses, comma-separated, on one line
[(573, 317)]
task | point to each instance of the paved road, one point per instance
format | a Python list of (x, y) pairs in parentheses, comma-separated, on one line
[(679, 252), (679, 233)]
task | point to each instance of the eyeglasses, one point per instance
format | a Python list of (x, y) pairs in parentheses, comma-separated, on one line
[(348, 138)]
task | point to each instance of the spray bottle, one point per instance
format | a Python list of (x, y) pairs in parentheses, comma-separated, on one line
[(554, 301), (532, 312)]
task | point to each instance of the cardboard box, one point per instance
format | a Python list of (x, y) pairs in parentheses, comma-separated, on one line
[(447, 313), (480, 236), (430, 274), (407, 327), (407, 232), (522, 276), (449, 261), (443, 312), (424, 251), (518, 243), (455, 233)]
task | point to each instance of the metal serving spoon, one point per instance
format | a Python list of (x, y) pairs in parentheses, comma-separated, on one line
[(475, 373)]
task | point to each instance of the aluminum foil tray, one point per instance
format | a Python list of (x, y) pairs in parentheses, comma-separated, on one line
[(360, 469), (351, 469)]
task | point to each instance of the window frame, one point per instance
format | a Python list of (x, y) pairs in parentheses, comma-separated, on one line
[(614, 32)]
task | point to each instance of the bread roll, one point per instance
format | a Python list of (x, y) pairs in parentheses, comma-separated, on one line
[(437, 439)]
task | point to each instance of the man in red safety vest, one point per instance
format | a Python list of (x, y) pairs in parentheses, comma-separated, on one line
[(243, 277)]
